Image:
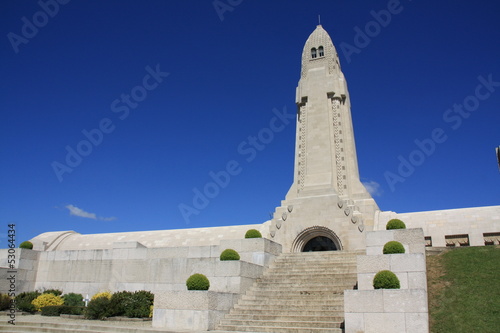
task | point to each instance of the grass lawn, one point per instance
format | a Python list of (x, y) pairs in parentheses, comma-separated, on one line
[(464, 290)]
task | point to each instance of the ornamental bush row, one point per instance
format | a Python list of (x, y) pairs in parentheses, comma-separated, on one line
[(136, 304), (4, 302), (104, 304)]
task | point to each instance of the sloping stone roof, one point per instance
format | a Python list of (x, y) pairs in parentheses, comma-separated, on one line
[(70, 240)]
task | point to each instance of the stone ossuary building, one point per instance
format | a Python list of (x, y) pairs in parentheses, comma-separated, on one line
[(326, 209)]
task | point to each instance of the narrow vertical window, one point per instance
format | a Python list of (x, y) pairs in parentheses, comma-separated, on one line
[(313, 52), (321, 52)]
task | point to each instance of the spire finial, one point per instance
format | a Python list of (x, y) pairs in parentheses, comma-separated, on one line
[(319, 19)]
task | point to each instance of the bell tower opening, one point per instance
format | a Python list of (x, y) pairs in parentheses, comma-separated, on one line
[(320, 243)]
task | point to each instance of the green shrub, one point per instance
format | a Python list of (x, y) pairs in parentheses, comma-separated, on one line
[(118, 302), (98, 308), (393, 247), (45, 300), (55, 292), (386, 280), (56, 310), (51, 310), (395, 224), (26, 245), (253, 233), (229, 254), (197, 282), (23, 301), (73, 299), (4, 302), (106, 294), (72, 310), (140, 304)]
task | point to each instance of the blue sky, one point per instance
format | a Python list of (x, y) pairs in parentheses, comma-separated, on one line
[(168, 90)]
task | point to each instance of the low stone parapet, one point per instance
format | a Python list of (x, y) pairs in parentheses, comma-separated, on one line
[(386, 310), (191, 310)]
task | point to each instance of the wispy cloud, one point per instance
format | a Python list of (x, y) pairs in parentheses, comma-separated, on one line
[(373, 188), (73, 210)]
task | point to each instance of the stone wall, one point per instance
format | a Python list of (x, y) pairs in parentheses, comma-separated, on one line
[(25, 270), (131, 266), (451, 227), (191, 310), (403, 310)]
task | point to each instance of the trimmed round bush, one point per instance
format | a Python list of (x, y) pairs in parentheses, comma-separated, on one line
[(253, 233), (393, 247), (229, 254), (395, 224), (386, 280), (46, 300), (197, 282), (26, 245)]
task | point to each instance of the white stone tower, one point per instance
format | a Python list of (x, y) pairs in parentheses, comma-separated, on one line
[(326, 201)]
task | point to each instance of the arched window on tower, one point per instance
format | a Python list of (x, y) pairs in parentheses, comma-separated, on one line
[(321, 52), (313, 52)]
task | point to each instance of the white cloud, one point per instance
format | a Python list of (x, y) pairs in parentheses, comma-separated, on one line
[(112, 218), (73, 210), (373, 188)]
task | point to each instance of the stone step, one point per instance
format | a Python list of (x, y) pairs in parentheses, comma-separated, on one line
[(287, 323), (313, 260), (339, 269), (285, 318), (256, 305), (312, 280), (288, 293), (307, 275), (298, 311), (316, 259), (304, 300), (292, 308), (299, 292), (272, 289), (63, 327), (274, 329)]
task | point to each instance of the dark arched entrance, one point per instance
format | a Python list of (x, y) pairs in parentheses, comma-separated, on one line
[(320, 243), (316, 238)]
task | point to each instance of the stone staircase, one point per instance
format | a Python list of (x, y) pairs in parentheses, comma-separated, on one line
[(298, 293)]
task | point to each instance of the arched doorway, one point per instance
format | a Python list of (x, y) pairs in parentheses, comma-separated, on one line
[(316, 239), (319, 243)]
